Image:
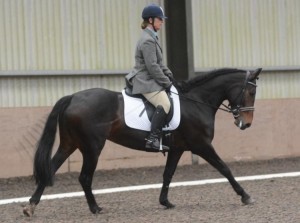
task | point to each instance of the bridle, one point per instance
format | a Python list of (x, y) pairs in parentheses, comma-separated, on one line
[(237, 109)]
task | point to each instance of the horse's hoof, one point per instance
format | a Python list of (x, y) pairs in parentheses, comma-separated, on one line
[(167, 204), (29, 210), (96, 210), (248, 200)]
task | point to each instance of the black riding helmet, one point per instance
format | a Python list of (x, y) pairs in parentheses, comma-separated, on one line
[(152, 11)]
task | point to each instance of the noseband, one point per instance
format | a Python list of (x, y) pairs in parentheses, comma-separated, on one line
[(236, 110)]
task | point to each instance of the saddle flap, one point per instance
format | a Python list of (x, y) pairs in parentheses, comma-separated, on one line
[(137, 111)]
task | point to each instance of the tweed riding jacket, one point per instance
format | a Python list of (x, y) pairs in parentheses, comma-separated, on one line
[(149, 73)]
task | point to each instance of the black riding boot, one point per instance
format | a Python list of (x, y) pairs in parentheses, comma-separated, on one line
[(157, 123)]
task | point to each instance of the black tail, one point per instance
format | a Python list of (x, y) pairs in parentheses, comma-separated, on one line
[(42, 160)]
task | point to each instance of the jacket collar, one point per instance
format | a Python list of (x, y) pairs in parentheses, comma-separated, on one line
[(153, 36), (151, 33)]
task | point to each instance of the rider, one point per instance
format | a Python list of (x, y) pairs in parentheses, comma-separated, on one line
[(150, 77)]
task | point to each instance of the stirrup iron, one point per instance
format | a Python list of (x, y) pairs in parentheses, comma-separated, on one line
[(163, 148)]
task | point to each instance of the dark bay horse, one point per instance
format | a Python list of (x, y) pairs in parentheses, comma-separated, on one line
[(88, 118)]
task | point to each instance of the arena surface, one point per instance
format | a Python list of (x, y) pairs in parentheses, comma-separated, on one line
[(277, 199)]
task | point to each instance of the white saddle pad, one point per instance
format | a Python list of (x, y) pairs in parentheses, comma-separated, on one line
[(133, 108)]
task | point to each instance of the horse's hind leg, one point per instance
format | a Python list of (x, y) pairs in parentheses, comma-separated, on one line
[(90, 159), (212, 158), (58, 159)]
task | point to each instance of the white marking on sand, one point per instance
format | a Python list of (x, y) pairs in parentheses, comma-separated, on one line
[(152, 186)]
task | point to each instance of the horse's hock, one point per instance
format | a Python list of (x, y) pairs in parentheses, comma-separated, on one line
[(274, 134)]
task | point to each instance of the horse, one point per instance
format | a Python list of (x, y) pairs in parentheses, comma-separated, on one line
[(88, 118)]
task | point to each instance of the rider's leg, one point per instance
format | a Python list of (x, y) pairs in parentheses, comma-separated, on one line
[(162, 103), (159, 98)]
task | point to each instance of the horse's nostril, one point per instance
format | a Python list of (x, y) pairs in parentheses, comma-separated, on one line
[(248, 125)]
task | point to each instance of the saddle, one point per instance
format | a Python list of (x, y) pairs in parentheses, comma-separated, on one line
[(150, 108), (138, 111)]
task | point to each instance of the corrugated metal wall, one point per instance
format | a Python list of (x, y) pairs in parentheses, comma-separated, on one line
[(246, 33), (61, 36), (45, 91), (250, 33), (279, 85), (53, 36), (69, 34)]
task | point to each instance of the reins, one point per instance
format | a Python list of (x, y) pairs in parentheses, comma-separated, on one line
[(226, 109)]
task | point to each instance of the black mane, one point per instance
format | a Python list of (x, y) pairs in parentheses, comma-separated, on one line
[(187, 85)]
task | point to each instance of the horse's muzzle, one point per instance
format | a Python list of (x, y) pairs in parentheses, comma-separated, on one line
[(241, 125)]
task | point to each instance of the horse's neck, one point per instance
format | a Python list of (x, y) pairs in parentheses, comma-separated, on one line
[(211, 92)]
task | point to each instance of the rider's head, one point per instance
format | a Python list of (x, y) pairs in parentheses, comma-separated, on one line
[(154, 15)]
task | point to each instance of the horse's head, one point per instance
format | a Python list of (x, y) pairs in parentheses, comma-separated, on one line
[(241, 100)]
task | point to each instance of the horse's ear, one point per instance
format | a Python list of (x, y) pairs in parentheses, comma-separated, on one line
[(255, 73)]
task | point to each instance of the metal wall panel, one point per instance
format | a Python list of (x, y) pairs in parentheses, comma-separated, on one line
[(69, 34), (235, 33), (45, 91), (65, 36), (96, 35), (275, 85)]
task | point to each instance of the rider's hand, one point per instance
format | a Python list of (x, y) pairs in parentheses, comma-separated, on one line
[(170, 76)]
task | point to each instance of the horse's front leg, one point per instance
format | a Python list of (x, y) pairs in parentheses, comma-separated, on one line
[(208, 153), (172, 161)]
